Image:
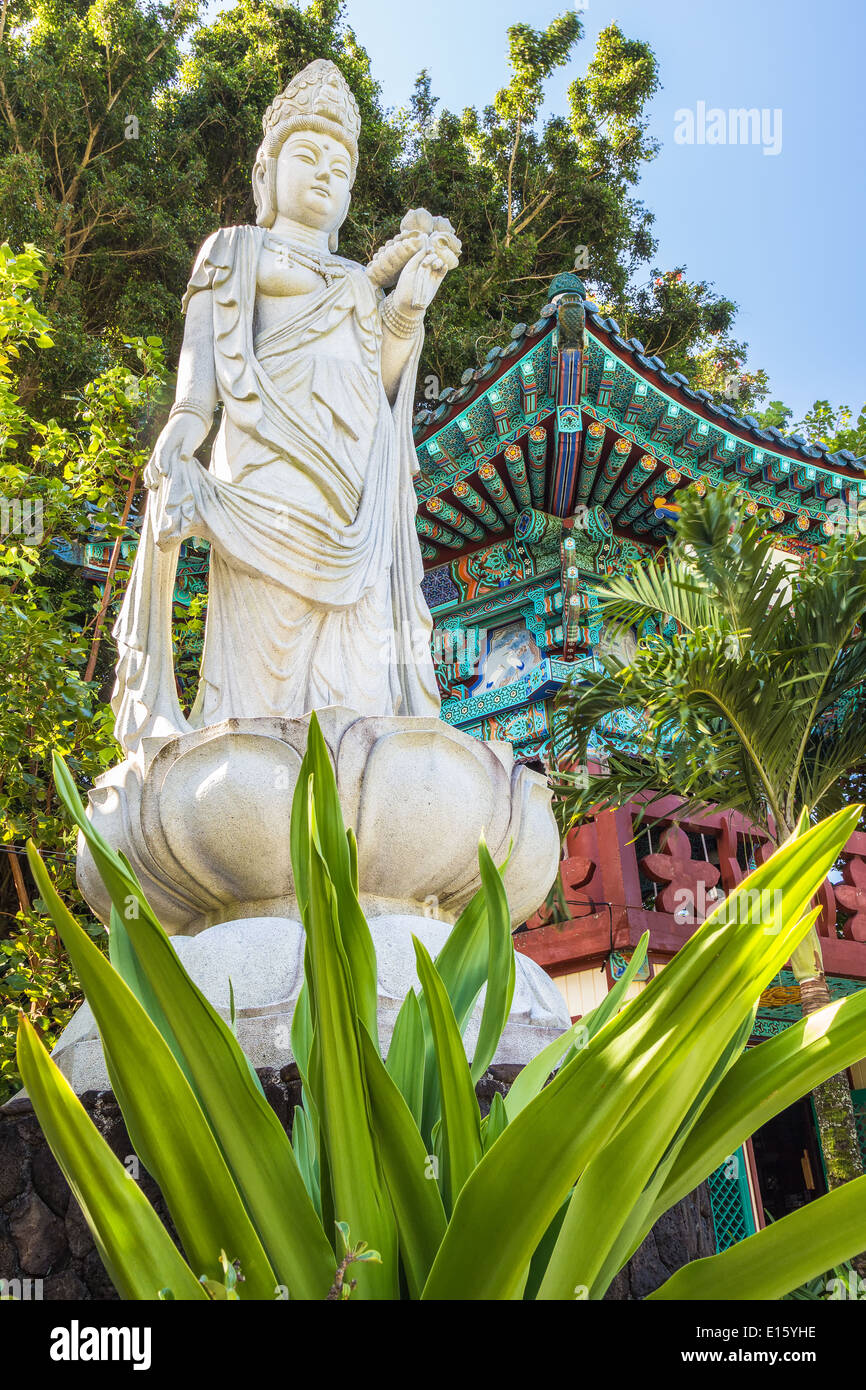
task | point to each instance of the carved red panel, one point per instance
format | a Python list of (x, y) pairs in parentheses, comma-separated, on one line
[(687, 881), (851, 897)]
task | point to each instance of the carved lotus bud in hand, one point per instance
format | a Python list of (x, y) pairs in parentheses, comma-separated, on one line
[(422, 275), (385, 267), (417, 259)]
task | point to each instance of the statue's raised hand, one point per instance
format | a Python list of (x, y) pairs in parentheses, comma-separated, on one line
[(182, 435), (424, 272), (418, 258)]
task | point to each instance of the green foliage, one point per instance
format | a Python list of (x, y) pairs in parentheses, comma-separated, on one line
[(776, 415), (120, 218), (60, 486), (692, 328), (91, 174), (841, 1283), (524, 194), (835, 429), (621, 1125), (340, 1289), (745, 692), (36, 978)]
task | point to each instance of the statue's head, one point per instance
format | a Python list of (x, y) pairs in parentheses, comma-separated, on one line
[(306, 163)]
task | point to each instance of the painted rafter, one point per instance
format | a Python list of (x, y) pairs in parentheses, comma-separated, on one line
[(571, 371)]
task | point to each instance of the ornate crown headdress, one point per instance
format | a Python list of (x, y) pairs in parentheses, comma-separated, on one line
[(318, 98)]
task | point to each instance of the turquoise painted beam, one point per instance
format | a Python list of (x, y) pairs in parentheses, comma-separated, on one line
[(497, 491), (482, 511), (635, 480), (537, 442), (452, 516)]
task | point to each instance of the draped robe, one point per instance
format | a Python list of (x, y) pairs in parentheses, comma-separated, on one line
[(314, 594)]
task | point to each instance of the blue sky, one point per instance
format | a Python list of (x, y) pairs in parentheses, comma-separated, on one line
[(782, 234)]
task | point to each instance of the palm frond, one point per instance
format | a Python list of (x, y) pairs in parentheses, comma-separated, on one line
[(753, 703)]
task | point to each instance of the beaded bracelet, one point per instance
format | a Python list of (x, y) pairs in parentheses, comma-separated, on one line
[(400, 324), (195, 407)]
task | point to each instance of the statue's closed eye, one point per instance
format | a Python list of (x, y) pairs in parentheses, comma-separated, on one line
[(307, 157)]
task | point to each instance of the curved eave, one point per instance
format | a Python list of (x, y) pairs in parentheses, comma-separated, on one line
[(675, 388), (568, 372)]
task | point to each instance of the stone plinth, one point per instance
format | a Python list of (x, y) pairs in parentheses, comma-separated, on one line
[(264, 959)]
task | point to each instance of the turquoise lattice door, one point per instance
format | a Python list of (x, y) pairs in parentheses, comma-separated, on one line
[(859, 1100), (731, 1201)]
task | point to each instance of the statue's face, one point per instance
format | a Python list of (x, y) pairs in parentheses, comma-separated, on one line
[(313, 181)]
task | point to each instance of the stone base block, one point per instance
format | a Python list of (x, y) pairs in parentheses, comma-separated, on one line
[(263, 958)]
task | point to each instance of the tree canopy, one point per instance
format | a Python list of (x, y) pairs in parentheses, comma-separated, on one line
[(58, 486), (128, 132)]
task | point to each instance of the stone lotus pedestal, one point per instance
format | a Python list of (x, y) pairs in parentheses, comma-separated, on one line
[(204, 820)]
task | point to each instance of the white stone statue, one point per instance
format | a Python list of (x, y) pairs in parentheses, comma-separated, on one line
[(314, 593), (314, 603)]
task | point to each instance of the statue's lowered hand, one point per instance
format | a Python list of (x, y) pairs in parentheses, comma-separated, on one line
[(180, 438)]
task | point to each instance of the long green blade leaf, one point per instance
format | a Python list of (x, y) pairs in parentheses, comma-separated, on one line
[(653, 1037), (462, 966), (254, 1143), (762, 1083), (530, 1080), (639, 1221), (339, 852), (338, 1080), (122, 955), (409, 1173), (137, 1251), (163, 1114), (787, 1253), (461, 1118), (406, 1055), (615, 1191), (304, 1145), (501, 966), (495, 1122)]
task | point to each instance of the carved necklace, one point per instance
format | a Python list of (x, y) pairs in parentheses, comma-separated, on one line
[(313, 260)]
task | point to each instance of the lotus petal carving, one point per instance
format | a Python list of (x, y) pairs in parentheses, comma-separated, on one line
[(206, 825)]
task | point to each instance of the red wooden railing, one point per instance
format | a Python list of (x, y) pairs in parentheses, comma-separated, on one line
[(618, 883)]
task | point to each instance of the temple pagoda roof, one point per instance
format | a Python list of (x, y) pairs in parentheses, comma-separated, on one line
[(571, 413)]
